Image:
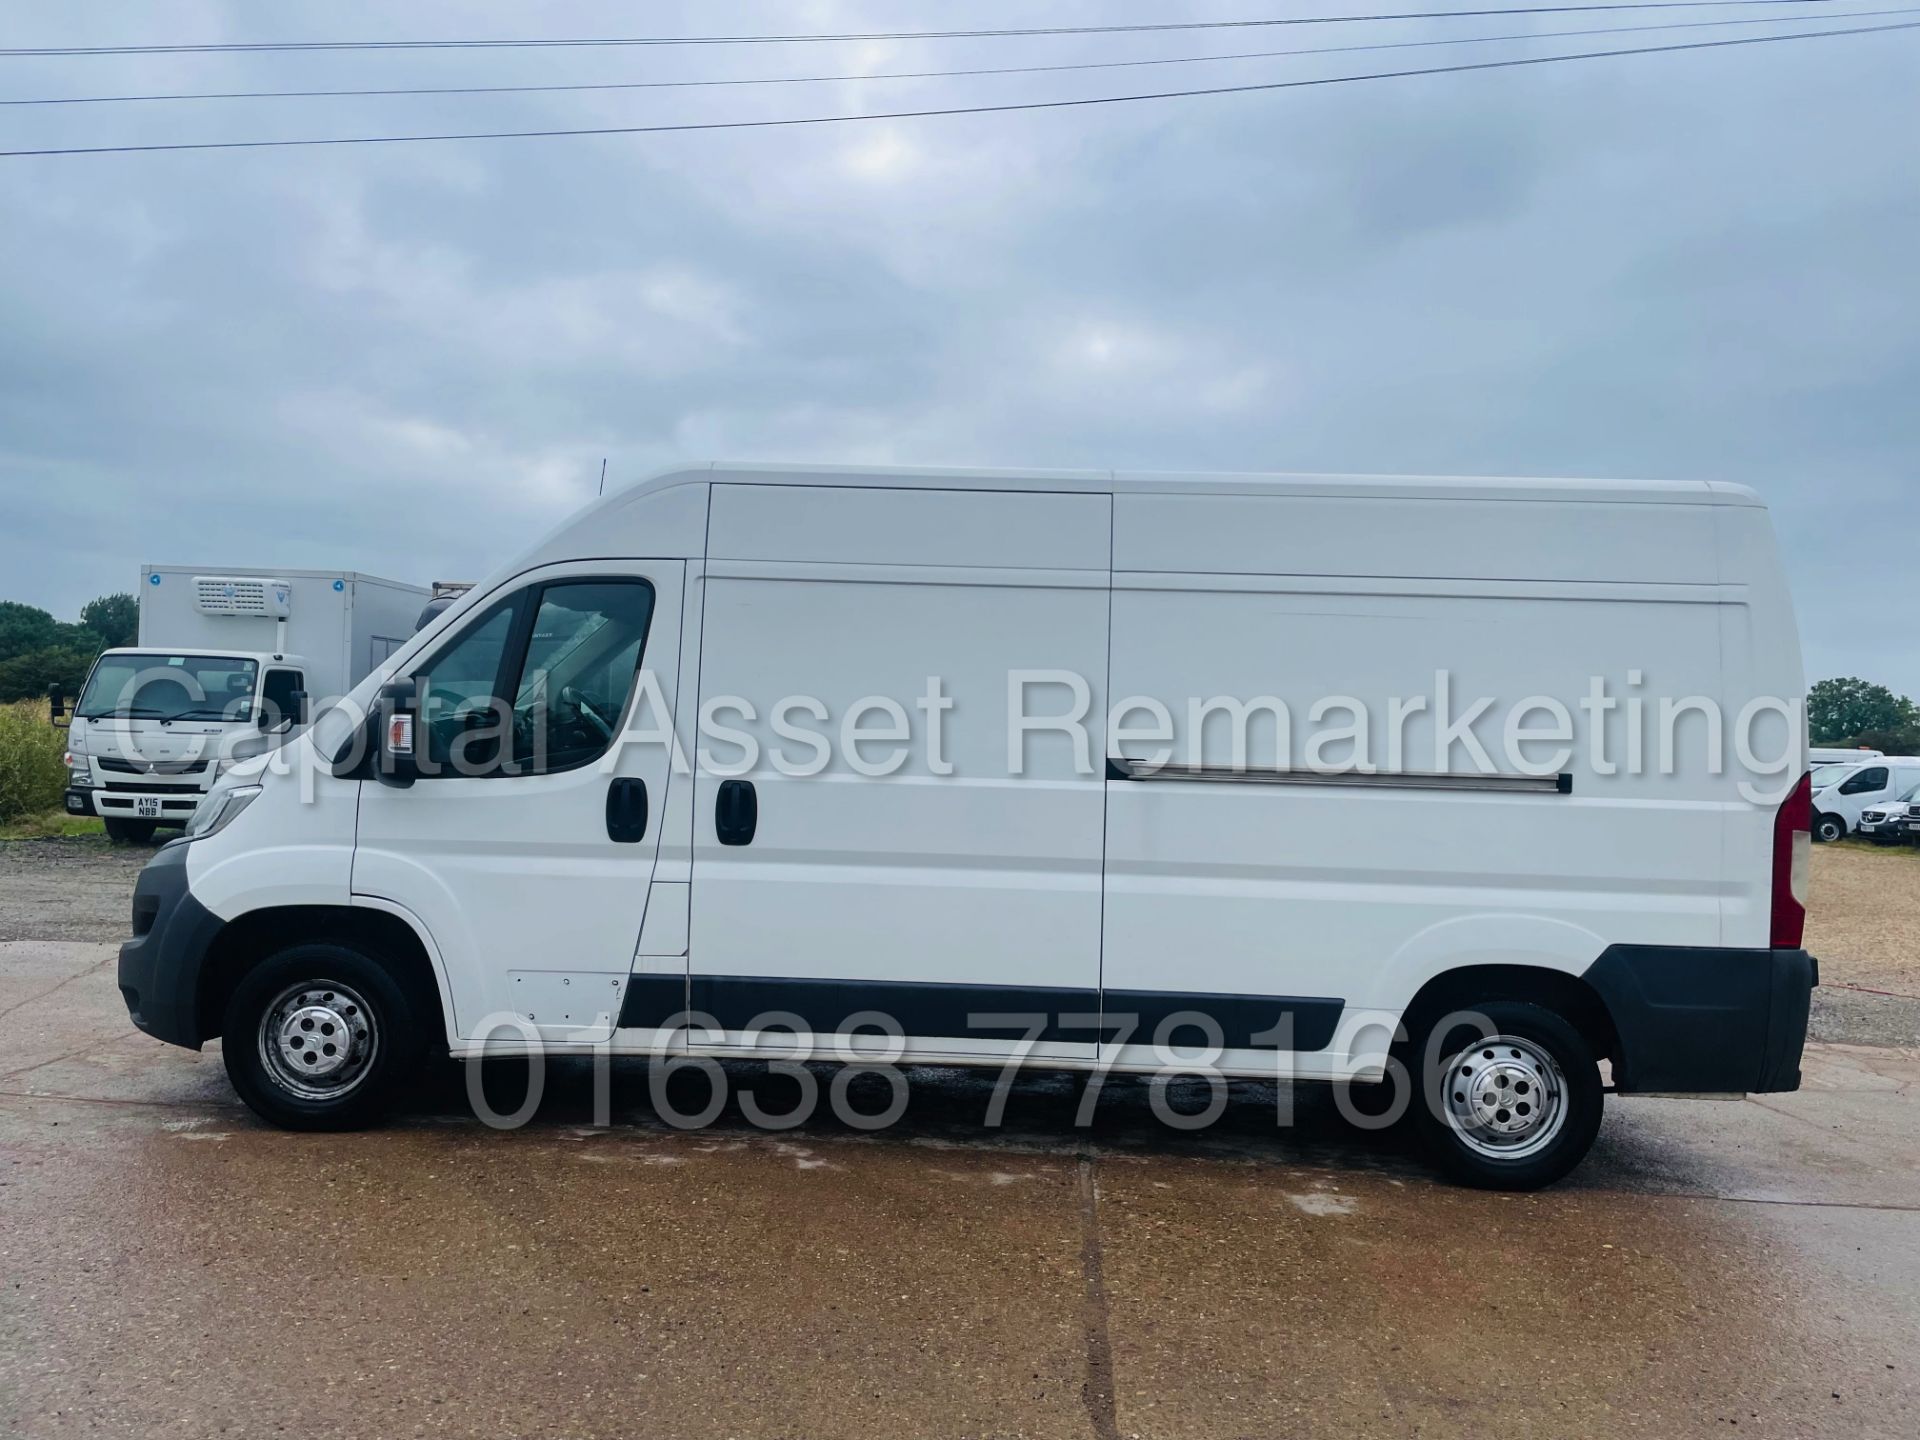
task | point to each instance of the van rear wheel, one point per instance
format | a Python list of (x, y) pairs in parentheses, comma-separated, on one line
[(1510, 1096), (318, 1037)]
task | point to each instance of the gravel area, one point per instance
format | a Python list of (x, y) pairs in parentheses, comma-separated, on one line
[(79, 888), (1864, 922)]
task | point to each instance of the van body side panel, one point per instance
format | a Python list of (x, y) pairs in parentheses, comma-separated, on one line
[(1442, 538), (1368, 891), (1017, 530), (947, 895)]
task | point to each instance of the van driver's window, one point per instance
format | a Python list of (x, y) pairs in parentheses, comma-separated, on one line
[(456, 697), (582, 655), (1873, 778)]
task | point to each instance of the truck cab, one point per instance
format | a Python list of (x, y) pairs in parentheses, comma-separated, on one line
[(153, 729), (221, 671)]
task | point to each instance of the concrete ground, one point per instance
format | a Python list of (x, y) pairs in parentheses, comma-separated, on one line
[(168, 1265)]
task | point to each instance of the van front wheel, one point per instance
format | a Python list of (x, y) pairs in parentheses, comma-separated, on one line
[(1829, 827), (317, 1037), (1511, 1095)]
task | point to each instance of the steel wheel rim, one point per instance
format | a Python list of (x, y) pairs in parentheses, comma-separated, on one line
[(1505, 1097), (318, 1040)]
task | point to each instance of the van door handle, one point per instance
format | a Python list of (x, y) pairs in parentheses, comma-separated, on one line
[(627, 810), (736, 812)]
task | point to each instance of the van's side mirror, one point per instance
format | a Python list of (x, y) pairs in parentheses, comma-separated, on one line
[(57, 706), (396, 718)]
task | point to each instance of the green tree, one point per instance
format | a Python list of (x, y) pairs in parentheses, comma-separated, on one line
[(114, 618), (24, 628), (29, 676), (1842, 709)]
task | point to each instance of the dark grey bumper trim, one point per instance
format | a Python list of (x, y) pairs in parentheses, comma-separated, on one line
[(160, 966), (1698, 1020)]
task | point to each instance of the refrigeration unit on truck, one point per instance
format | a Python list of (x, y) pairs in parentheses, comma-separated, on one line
[(230, 664)]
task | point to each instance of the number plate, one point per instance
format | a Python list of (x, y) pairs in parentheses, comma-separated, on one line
[(147, 807)]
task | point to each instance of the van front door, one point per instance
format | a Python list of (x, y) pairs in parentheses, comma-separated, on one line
[(527, 846)]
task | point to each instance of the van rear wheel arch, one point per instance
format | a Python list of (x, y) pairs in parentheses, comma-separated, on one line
[(384, 937), (1567, 995)]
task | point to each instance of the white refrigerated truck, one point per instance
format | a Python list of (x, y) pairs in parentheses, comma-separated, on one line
[(228, 665)]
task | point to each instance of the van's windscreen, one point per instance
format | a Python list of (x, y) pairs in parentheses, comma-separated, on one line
[(169, 687)]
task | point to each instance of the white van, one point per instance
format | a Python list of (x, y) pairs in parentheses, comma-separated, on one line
[(1843, 792), (1841, 754), (1094, 771)]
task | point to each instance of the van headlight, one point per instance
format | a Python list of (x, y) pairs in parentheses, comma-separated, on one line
[(219, 809)]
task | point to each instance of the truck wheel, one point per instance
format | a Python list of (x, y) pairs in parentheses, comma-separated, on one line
[(131, 832), (1829, 827), (1512, 1104), (318, 1037)]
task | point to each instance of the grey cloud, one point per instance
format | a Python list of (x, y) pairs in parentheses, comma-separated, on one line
[(403, 360)]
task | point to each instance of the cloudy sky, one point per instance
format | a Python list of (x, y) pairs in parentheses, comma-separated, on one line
[(403, 358)]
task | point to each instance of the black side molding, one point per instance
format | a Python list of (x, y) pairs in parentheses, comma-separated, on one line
[(934, 1008)]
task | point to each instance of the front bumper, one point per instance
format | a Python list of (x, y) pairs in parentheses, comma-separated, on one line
[(172, 806), (1701, 1021), (160, 966)]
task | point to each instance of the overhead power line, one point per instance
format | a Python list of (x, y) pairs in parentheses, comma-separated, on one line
[(1504, 64), (261, 46), (415, 90)]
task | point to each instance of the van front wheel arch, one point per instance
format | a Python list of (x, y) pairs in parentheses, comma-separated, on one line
[(319, 1036)]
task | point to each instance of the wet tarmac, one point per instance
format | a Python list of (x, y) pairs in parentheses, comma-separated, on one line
[(170, 1266)]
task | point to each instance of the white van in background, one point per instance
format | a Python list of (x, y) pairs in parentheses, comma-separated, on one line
[(1033, 768), (1840, 754), (1843, 792), (224, 668)]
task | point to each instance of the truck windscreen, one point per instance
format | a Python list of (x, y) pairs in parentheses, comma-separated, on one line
[(170, 687)]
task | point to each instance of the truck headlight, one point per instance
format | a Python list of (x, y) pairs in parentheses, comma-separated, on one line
[(219, 809), (79, 771)]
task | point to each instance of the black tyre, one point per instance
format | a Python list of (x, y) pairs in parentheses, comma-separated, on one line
[(1510, 1095), (130, 832), (320, 1037), (1829, 827)]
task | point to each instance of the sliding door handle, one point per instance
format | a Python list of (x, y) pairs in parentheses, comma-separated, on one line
[(736, 812)]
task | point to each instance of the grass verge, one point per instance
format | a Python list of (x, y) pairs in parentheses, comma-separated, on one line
[(53, 824)]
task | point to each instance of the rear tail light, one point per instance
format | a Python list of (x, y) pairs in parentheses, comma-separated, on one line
[(1792, 856)]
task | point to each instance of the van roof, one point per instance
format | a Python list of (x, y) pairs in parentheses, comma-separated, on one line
[(1683, 492), (614, 519)]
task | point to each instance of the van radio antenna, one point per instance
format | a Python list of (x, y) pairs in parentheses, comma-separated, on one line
[(603, 474)]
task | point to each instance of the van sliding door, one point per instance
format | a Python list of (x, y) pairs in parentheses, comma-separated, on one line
[(926, 880)]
